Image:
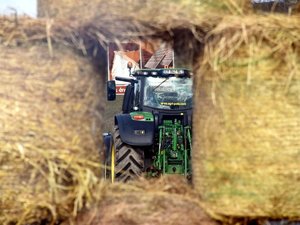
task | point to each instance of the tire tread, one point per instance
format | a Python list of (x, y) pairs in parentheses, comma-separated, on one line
[(129, 161)]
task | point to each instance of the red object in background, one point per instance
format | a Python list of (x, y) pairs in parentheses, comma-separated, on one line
[(120, 89)]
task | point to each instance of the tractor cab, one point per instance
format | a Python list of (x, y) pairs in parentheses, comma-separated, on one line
[(156, 89), (165, 89)]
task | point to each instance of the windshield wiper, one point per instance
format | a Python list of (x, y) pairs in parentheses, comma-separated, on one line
[(160, 84)]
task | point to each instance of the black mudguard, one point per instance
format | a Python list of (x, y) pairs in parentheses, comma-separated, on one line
[(135, 133)]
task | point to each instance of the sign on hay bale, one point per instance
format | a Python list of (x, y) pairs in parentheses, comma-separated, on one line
[(50, 133), (246, 132)]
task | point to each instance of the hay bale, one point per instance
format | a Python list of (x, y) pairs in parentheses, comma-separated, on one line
[(50, 132), (67, 8), (246, 133), (164, 201), (141, 8), (243, 69), (128, 19)]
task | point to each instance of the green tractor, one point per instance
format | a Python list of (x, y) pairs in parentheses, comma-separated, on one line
[(153, 133)]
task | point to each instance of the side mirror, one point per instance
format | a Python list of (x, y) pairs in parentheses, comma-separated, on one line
[(111, 90)]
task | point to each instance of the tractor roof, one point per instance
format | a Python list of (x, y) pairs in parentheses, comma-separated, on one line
[(178, 72)]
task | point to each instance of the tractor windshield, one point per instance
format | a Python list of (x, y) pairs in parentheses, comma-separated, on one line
[(168, 93)]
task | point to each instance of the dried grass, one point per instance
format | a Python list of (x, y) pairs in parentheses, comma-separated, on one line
[(165, 201), (248, 105), (50, 133), (66, 8)]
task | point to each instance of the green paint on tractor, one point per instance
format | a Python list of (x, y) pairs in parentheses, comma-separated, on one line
[(175, 145)]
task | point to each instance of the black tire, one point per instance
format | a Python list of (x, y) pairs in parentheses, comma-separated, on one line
[(129, 161)]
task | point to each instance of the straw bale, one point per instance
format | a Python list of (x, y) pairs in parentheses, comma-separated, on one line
[(50, 133), (166, 201), (250, 64), (140, 18), (129, 18), (247, 102), (65, 8)]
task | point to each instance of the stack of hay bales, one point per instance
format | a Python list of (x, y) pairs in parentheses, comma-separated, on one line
[(247, 117), (246, 97), (50, 126)]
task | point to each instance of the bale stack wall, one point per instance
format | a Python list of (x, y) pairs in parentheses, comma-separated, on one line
[(247, 102), (50, 131), (246, 95)]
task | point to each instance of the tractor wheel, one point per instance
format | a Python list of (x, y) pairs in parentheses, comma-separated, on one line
[(127, 162)]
